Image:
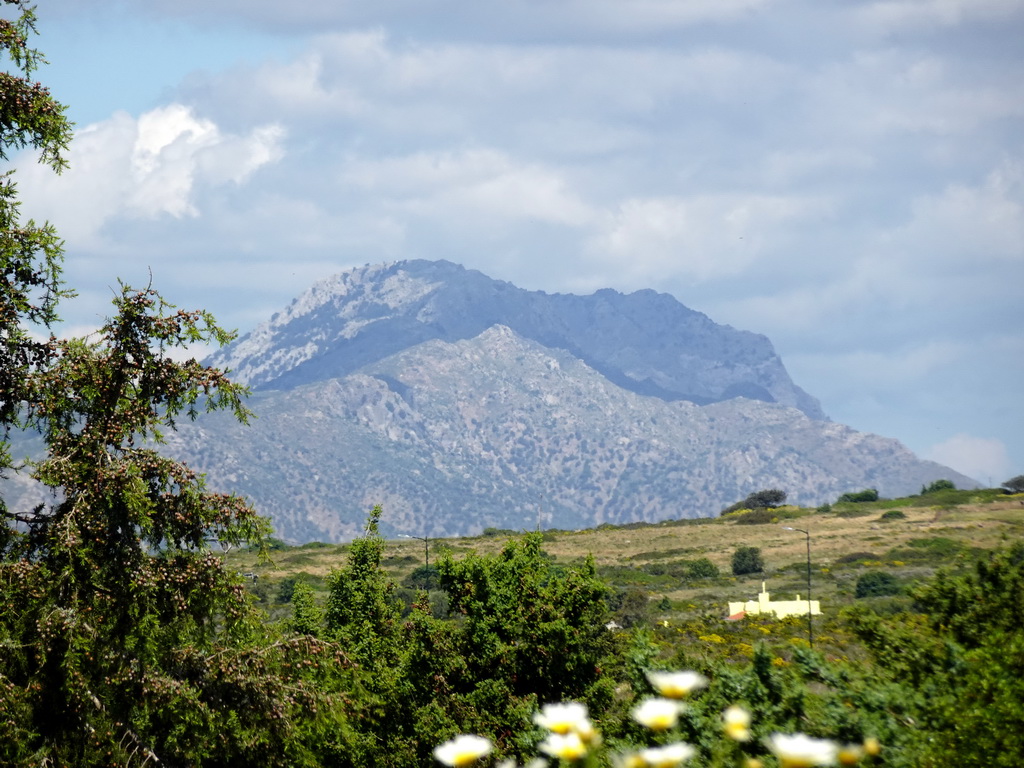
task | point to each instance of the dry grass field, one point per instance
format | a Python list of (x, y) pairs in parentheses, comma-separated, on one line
[(845, 542)]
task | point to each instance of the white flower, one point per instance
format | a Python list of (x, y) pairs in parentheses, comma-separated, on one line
[(462, 751), (676, 685), (801, 751), (568, 746), (667, 756), (736, 723), (658, 714), (570, 717)]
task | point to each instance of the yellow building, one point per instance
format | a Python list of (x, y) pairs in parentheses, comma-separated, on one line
[(781, 608)]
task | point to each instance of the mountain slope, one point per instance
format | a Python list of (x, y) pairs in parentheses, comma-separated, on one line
[(499, 431), (645, 342)]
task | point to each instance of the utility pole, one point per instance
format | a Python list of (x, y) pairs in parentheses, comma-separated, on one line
[(810, 621)]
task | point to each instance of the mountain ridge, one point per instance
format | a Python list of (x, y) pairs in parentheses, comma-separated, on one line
[(500, 431), (363, 315)]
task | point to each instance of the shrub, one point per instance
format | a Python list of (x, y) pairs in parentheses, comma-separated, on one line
[(702, 568), (424, 577), (893, 514), (877, 584), (747, 560), (854, 557), (859, 497), (938, 485), (766, 499), (1015, 484), (760, 516)]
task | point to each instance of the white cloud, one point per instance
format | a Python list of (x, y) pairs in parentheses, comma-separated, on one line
[(967, 224), (700, 238), (483, 182), (894, 15), (143, 168), (983, 458)]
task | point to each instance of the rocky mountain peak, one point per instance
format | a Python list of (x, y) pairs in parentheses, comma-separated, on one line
[(645, 342)]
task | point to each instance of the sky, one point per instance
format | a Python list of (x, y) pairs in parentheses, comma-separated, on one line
[(846, 178)]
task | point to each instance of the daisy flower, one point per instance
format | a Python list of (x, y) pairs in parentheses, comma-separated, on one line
[(676, 685), (801, 751), (657, 714), (462, 751)]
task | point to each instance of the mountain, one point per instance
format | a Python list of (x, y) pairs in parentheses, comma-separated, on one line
[(644, 342), (459, 402)]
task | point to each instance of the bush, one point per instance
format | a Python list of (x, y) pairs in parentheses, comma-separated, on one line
[(855, 557), (766, 499), (877, 584), (760, 516), (938, 485), (702, 569), (424, 577), (1015, 484), (893, 514), (859, 497), (747, 560)]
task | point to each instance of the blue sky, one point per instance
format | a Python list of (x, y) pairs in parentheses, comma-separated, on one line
[(845, 178)]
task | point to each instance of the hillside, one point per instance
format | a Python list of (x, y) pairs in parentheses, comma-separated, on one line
[(461, 403), (847, 541)]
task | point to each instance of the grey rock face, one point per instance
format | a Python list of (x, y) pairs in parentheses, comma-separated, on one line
[(500, 431), (645, 342), (459, 403)]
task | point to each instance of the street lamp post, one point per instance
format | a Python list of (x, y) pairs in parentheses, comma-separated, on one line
[(810, 621), (426, 546)]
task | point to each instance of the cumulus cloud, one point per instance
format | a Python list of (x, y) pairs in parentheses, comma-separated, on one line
[(144, 167), (477, 182), (699, 238), (983, 458)]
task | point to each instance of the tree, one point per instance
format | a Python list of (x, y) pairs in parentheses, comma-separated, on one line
[(124, 633), (1015, 484), (747, 560), (124, 638), (955, 670), (769, 498), (938, 485), (860, 497), (877, 583), (30, 254)]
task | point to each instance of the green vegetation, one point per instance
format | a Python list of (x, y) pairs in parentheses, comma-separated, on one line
[(859, 497), (141, 621), (766, 499), (1015, 484), (747, 560), (877, 583), (938, 485)]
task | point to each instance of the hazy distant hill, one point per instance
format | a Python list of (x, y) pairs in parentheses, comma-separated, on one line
[(459, 403)]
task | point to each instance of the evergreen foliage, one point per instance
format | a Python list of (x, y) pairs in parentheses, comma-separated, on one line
[(876, 583), (1015, 484), (747, 560), (860, 497), (124, 638), (769, 498), (938, 485), (956, 669)]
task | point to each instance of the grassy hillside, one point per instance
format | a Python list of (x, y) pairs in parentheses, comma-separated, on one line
[(908, 538)]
